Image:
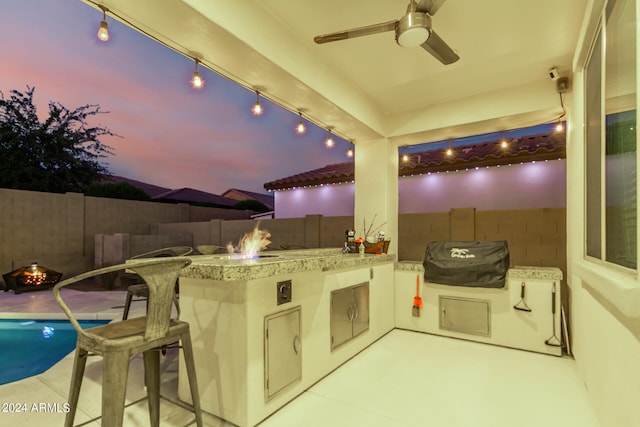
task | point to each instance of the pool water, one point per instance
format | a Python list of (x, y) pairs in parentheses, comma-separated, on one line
[(30, 347)]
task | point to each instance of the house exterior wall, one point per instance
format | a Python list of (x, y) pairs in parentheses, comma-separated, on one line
[(328, 200), (519, 186), (605, 301)]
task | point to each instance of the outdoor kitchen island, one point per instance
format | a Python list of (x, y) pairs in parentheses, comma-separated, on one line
[(266, 329)]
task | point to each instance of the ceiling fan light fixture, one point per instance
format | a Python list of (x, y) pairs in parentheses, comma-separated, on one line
[(412, 30)]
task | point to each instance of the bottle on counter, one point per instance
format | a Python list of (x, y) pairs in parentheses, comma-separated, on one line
[(350, 236), (361, 248)]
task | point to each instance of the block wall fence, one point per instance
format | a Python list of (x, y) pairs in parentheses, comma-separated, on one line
[(59, 230)]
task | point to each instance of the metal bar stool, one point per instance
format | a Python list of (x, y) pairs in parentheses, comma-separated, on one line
[(117, 341), (141, 290)]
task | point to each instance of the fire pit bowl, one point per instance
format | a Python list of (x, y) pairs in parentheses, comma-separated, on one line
[(31, 278)]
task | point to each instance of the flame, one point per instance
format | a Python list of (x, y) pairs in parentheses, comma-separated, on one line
[(251, 243)]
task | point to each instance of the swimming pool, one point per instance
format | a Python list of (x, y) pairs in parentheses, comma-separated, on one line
[(30, 347)]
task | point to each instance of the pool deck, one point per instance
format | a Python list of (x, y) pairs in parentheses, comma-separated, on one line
[(38, 401)]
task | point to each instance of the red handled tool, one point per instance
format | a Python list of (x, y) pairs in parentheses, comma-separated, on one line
[(417, 300)]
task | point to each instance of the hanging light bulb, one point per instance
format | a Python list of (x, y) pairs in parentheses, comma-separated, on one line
[(329, 142), (350, 151), (405, 156), (197, 82), (559, 126), (257, 108), (103, 31), (300, 127)]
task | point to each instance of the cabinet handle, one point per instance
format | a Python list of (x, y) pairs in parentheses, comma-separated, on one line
[(356, 312), (296, 344), (350, 312)]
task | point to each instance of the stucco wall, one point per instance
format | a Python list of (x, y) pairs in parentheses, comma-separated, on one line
[(328, 200)]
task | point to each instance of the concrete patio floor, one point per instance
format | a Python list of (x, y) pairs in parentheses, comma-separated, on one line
[(404, 379)]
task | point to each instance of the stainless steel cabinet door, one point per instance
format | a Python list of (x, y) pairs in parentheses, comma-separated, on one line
[(341, 315), (349, 313), (282, 350), (361, 307)]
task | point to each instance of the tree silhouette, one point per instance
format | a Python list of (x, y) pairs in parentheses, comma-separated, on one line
[(62, 153)]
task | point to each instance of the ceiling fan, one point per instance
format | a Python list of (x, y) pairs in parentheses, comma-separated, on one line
[(412, 30)]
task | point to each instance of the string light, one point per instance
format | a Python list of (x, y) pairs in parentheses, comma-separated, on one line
[(329, 142), (350, 151), (257, 108), (103, 31), (449, 151), (301, 129), (196, 81), (503, 142)]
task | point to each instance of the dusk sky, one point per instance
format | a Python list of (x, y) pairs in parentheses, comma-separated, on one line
[(171, 135)]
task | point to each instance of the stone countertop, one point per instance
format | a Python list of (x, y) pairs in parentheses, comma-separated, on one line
[(410, 266), (517, 272), (275, 263)]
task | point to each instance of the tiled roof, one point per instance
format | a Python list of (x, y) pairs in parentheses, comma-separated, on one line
[(523, 149), (330, 174), (190, 195), (265, 199)]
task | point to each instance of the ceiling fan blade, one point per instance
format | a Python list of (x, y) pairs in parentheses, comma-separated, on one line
[(439, 49), (429, 6), (356, 32)]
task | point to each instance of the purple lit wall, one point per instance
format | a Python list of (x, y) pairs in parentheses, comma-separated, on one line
[(519, 186), (328, 200)]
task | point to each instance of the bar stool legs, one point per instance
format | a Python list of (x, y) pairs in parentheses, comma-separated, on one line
[(79, 363), (187, 351)]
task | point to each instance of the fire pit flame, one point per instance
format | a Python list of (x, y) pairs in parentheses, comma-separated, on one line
[(250, 244)]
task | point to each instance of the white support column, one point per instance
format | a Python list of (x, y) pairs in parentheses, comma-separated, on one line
[(376, 188)]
